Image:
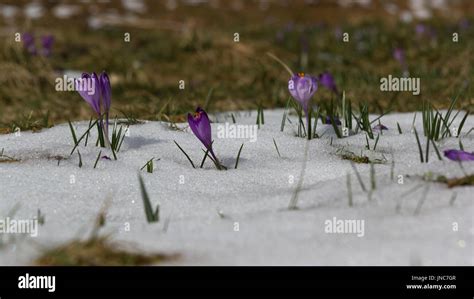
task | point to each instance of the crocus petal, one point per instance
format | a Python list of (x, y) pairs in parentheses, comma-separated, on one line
[(105, 90), (380, 127), (327, 80), (458, 155), (336, 120), (87, 84), (292, 87), (201, 127)]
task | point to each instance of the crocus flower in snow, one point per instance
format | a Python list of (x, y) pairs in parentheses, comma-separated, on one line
[(458, 155), (201, 127), (302, 87), (96, 91), (327, 121), (89, 89), (380, 127), (106, 93)]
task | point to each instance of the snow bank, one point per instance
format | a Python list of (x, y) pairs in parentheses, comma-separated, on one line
[(201, 209)]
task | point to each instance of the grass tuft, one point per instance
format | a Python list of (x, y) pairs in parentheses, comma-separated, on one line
[(96, 252)]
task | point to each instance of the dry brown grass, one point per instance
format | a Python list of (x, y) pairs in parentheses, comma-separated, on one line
[(98, 252)]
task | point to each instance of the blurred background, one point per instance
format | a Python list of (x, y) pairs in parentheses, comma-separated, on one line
[(194, 41)]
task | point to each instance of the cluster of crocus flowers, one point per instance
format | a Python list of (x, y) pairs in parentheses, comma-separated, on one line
[(458, 155), (201, 126), (99, 99), (29, 43)]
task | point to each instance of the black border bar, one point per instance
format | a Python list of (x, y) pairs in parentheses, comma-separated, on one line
[(243, 282)]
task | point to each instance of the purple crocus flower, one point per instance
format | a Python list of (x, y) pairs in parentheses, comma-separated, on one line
[(458, 155), (96, 91), (327, 121), (106, 93), (426, 31), (302, 87), (105, 90), (327, 80), (380, 127), (399, 55), (201, 127), (89, 89), (421, 29), (29, 43), (47, 42)]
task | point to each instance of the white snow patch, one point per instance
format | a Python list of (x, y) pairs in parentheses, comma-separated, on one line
[(255, 196)]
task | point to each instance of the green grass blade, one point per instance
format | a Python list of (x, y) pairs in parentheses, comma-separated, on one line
[(88, 133), (238, 156), (436, 150), (399, 129), (283, 120), (73, 132), (97, 160), (204, 159), (189, 159), (276, 147), (80, 158), (359, 178), (419, 145), (461, 125), (376, 141), (151, 216)]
